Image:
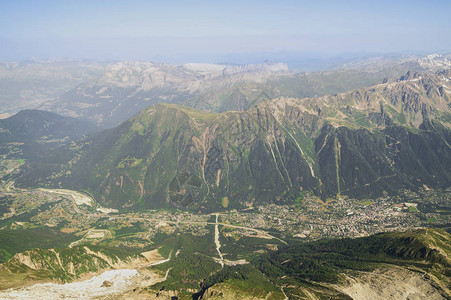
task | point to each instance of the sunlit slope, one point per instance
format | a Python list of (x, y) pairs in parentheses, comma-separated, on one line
[(368, 142)]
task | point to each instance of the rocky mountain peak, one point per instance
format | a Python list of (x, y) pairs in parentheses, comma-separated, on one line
[(435, 62)]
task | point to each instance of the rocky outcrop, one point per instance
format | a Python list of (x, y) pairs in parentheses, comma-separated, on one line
[(435, 62), (63, 264), (392, 283), (223, 291)]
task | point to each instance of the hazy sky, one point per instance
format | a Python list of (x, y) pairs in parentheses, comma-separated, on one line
[(214, 30)]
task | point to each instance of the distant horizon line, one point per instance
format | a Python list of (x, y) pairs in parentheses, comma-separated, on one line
[(291, 56)]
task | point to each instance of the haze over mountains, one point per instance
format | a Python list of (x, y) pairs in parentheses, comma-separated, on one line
[(27, 84), (192, 152), (219, 150), (124, 89)]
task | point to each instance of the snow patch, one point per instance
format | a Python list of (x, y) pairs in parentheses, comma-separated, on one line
[(434, 62)]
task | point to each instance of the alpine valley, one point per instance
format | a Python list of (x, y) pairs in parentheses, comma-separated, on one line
[(205, 181)]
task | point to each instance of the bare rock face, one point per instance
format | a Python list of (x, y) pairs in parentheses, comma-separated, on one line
[(223, 291), (392, 283), (61, 264), (107, 283), (435, 62)]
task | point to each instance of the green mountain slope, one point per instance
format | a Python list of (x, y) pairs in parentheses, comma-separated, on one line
[(367, 142), (391, 265), (34, 132), (387, 265), (324, 266)]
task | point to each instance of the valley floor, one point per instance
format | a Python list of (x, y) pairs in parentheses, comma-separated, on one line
[(219, 240)]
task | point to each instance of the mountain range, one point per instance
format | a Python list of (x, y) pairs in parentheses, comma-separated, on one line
[(207, 181), (126, 88), (369, 142)]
